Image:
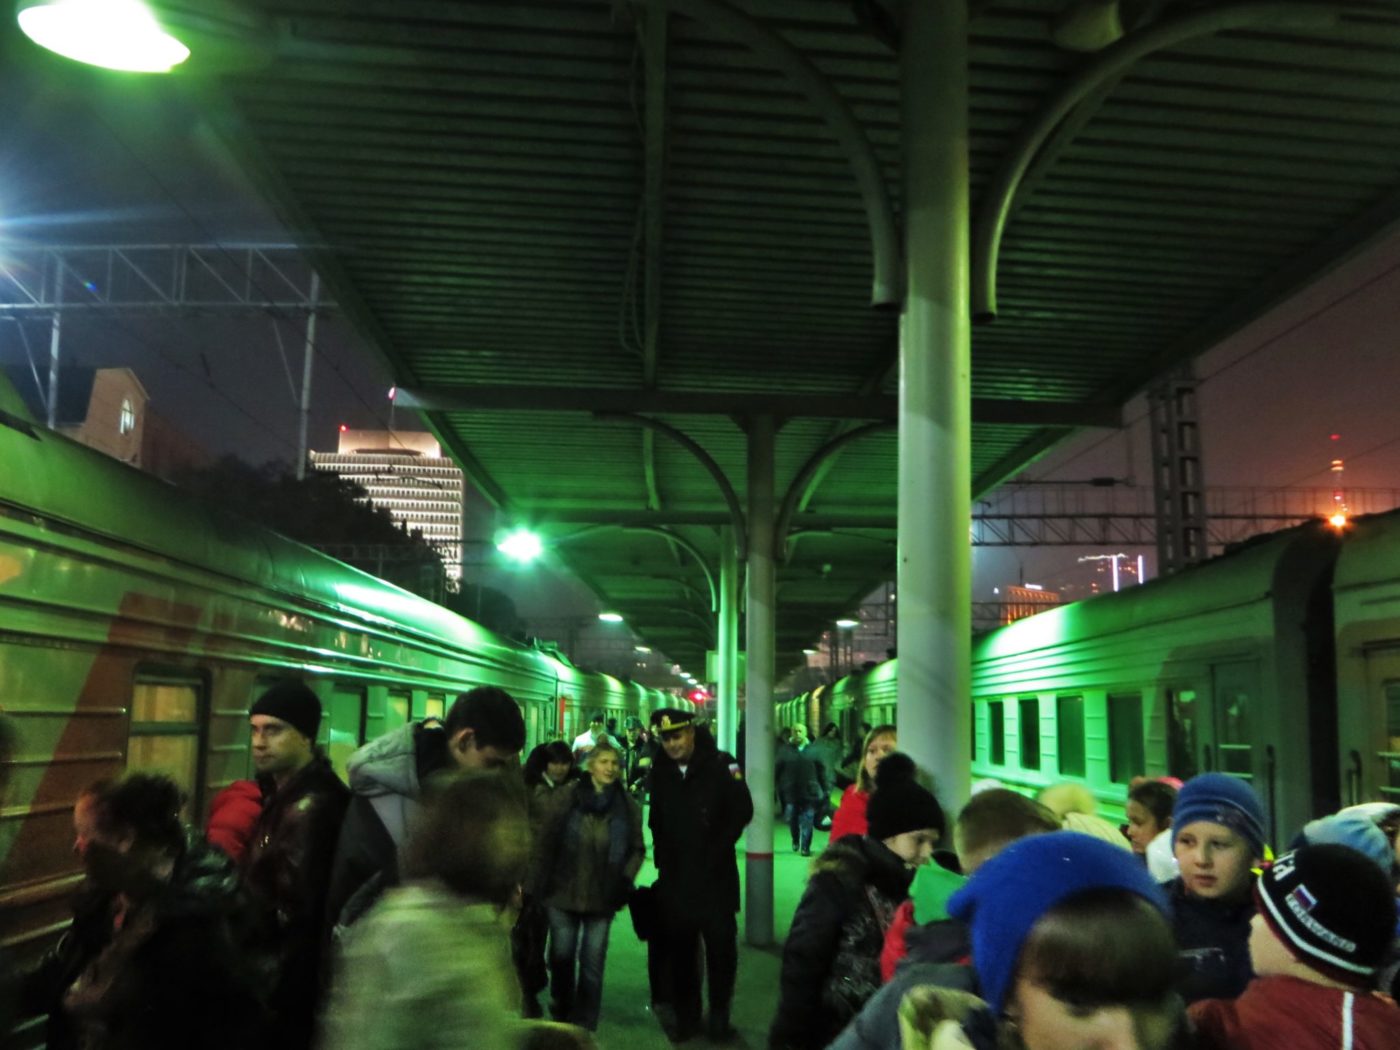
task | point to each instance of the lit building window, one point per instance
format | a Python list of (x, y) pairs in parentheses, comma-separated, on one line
[(128, 419)]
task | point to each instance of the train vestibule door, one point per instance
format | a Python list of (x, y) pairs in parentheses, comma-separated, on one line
[(1211, 731), (1372, 762), (345, 728)]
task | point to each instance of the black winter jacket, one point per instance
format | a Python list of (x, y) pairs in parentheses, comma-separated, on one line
[(1212, 937), (287, 871), (831, 961), (173, 975), (933, 955), (696, 818), (802, 777)]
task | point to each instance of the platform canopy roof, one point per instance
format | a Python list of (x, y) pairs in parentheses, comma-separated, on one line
[(552, 217)]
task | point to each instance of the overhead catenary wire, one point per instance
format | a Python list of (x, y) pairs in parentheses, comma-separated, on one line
[(277, 315)]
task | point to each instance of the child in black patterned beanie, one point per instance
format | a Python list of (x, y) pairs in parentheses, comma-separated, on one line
[(1326, 915)]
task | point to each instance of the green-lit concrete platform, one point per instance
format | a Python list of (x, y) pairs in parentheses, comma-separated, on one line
[(626, 1022)]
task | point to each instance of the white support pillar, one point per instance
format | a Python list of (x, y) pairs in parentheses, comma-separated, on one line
[(305, 410), (935, 401), (727, 640), (759, 744), (55, 339)]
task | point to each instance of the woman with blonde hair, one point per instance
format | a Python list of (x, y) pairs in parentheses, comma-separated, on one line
[(592, 852), (850, 816)]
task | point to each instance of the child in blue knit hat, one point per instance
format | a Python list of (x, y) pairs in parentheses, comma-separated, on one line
[(1072, 949), (1218, 841)]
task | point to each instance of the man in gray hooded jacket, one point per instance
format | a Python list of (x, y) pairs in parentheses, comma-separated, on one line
[(484, 729)]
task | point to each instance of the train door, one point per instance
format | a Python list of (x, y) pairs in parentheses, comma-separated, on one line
[(1373, 761), (345, 728), (1214, 732), (165, 729)]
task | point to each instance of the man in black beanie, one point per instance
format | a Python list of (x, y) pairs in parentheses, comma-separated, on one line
[(287, 867)]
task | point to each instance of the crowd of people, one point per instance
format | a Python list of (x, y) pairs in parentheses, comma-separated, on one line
[(443, 899), (1047, 927)]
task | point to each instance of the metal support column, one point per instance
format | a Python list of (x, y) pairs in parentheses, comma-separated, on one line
[(1177, 482), (314, 298), (727, 642), (758, 742), (55, 336), (935, 401)]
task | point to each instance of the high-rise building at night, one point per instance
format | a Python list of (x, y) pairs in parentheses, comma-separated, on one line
[(405, 473)]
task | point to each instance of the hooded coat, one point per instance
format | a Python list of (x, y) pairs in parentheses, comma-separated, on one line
[(386, 781), (831, 960)]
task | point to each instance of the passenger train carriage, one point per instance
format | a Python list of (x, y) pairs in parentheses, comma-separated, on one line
[(1278, 663), (137, 625)]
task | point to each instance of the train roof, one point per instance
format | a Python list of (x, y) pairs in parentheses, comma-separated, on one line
[(1244, 574), (70, 486), (1371, 554)]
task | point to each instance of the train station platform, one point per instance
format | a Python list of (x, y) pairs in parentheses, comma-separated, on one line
[(627, 1023)]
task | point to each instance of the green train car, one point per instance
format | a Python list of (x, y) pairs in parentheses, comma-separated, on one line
[(137, 625), (1278, 663)]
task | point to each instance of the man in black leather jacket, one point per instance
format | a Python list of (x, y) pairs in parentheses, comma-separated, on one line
[(287, 867), (699, 808)]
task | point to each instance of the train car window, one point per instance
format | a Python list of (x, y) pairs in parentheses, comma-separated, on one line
[(997, 713), (397, 710), (1029, 727), (164, 733), (1234, 741), (1127, 750), (1183, 733), (1069, 735), (1390, 758), (430, 706), (345, 728)]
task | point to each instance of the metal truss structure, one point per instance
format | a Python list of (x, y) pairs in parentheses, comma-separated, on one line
[(156, 278), (1080, 516)]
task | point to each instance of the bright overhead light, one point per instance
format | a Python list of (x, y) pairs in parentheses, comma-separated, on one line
[(610, 617), (113, 34), (847, 622), (521, 545), (809, 652), (642, 648)]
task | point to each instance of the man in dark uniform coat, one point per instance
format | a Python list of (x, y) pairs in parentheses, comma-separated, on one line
[(699, 808)]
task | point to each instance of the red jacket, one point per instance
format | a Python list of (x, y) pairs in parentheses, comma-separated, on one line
[(895, 948), (232, 815), (850, 815), (1285, 1012)]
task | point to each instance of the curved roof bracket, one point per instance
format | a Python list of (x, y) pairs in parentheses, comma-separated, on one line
[(887, 281), (731, 498), (690, 548), (1111, 64), (798, 488)]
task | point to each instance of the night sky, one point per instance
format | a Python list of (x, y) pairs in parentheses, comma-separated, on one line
[(105, 159)]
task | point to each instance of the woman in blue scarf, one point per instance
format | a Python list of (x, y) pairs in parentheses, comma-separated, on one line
[(594, 849)]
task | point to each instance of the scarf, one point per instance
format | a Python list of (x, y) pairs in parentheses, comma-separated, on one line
[(609, 804)]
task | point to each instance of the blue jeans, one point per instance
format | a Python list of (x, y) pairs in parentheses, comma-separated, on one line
[(803, 817), (580, 941)]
